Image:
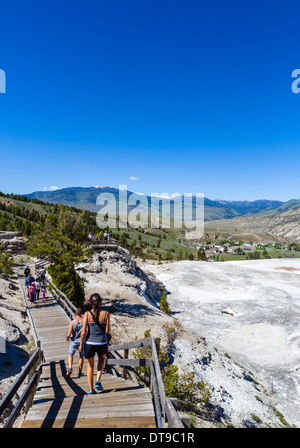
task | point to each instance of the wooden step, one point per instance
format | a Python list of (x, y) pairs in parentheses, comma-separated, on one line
[(111, 422)]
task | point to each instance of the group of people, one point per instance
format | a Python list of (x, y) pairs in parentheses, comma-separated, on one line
[(107, 237), (35, 287), (89, 333)]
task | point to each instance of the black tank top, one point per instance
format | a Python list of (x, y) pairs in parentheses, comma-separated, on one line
[(96, 332)]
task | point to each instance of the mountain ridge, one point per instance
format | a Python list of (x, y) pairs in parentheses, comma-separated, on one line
[(86, 197)]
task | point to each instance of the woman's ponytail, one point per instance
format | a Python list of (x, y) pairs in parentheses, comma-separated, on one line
[(96, 304)]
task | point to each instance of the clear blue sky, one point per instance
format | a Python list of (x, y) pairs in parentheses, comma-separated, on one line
[(187, 96)]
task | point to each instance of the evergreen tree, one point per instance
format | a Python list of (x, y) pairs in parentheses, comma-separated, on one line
[(201, 255), (6, 263), (163, 304), (62, 241)]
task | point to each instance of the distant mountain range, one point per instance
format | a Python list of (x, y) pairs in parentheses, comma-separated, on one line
[(86, 197)]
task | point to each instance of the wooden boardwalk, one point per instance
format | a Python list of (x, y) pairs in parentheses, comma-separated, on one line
[(64, 403)]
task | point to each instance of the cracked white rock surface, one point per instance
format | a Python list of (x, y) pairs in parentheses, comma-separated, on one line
[(249, 310)]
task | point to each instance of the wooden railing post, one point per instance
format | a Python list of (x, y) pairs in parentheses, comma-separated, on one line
[(125, 369), (157, 345), (107, 367), (159, 380)]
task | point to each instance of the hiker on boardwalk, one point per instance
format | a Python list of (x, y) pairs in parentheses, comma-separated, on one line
[(42, 273), (38, 287), (31, 291), (26, 271), (105, 237), (28, 281), (75, 334), (96, 327), (44, 289)]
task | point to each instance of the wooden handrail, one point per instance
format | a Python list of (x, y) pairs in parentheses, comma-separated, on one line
[(156, 396), (123, 362), (146, 342), (25, 395), (68, 306), (35, 359), (172, 416), (102, 241), (159, 377), (164, 409)]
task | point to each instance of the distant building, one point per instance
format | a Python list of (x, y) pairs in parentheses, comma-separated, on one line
[(233, 249), (248, 246)]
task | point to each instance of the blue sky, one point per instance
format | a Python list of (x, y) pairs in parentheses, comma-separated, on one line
[(184, 96)]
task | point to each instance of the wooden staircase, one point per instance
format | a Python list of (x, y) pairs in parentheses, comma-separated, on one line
[(54, 401), (61, 402), (64, 403)]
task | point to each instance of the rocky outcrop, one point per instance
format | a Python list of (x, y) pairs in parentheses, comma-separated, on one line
[(128, 293), (9, 331), (125, 272), (13, 242), (281, 227), (285, 225), (153, 287)]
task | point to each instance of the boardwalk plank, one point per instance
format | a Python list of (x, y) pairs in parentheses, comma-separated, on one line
[(58, 410), (112, 422)]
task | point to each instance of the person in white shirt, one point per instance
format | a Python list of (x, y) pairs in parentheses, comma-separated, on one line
[(42, 273), (38, 286)]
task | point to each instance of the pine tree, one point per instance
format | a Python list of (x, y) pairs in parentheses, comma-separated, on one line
[(62, 241), (163, 304), (201, 255)]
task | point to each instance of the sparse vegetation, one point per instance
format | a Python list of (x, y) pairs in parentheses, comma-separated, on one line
[(6, 263), (164, 305), (184, 387), (280, 417), (255, 418)]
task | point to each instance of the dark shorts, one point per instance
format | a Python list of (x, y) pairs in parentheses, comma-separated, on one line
[(90, 350)]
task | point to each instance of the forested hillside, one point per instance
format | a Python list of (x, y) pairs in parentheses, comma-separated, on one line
[(22, 214)]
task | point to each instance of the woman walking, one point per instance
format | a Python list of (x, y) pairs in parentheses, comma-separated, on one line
[(96, 327)]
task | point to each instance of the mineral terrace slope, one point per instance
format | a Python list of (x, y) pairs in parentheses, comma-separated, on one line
[(248, 311)]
